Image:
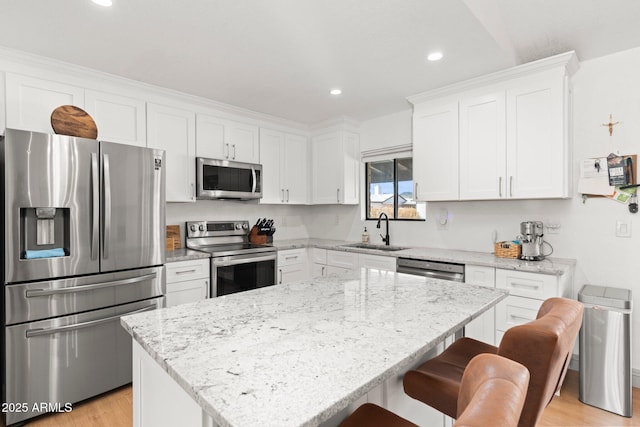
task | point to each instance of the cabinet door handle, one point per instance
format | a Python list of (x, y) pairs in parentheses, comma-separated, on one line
[(228, 152), (500, 186), (287, 195), (280, 280), (282, 199), (338, 195), (234, 151), (511, 186)]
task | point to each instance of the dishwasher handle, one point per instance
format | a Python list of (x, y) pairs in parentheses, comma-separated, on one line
[(443, 275)]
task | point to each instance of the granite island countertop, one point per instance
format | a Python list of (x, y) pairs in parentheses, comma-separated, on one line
[(550, 265), (297, 354)]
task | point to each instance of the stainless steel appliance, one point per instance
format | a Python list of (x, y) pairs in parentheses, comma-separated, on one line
[(236, 264), (83, 231), (532, 233), (222, 179), (434, 269)]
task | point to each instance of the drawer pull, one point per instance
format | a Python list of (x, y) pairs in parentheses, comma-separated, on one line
[(186, 271), (291, 257), (524, 285)]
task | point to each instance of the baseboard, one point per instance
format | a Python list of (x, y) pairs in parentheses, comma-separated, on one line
[(635, 373)]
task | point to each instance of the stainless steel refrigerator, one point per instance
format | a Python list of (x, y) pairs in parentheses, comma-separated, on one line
[(83, 231)]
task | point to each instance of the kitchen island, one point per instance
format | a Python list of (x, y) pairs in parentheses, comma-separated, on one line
[(291, 355)]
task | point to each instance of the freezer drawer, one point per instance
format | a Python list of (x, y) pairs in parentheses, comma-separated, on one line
[(68, 359), (43, 300)]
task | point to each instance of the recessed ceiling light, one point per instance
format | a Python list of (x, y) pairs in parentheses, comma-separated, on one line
[(105, 3), (435, 56), (335, 91)]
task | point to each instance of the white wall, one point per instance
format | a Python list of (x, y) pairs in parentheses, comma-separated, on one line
[(608, 85)]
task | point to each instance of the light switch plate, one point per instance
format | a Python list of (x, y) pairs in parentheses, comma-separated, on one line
[(623, 228)]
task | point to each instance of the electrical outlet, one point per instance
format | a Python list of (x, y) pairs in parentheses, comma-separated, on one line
[(552, 228), (623, 228)]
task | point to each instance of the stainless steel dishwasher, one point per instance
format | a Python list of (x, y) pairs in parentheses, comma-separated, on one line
[(434, 269)]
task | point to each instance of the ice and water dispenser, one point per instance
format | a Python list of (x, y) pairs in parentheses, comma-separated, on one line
[(44, 232)]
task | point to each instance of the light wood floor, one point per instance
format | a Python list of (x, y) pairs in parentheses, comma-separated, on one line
[(114, 409)]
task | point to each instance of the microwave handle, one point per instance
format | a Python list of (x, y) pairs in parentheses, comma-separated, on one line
[(253, 178)]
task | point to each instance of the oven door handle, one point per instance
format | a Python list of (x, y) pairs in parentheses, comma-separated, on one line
[(39, 332), (242, 259), (31, 293)]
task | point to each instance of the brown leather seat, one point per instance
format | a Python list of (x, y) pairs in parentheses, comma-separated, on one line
[(492, 393), (544, 346)]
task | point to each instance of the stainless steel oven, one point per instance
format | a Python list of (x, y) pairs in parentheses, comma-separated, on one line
[(237, 273), (236, 264)]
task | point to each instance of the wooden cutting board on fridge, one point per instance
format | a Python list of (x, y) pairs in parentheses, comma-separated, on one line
[(73, 121)]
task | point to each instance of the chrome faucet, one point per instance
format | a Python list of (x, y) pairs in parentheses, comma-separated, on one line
[(385, 238)]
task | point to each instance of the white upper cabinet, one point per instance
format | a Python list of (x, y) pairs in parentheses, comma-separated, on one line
[(173, 130), (482, 147), (284, 159), (30, 101), (502, 136), (294, 169), (271, 147), (335, 168), (227, 140), (119, 118), (537, 137), (435, 151)]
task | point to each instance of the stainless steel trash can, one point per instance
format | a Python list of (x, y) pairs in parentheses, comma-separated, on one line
[(605, 349)]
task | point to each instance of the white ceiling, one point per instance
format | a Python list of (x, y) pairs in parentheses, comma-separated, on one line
[(281, 57)]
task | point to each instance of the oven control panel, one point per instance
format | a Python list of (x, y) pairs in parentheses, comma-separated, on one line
[(216, 228)]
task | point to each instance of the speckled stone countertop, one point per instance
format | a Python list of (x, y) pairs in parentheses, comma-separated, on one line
[(554, 266), (184, 254), (294, 355)]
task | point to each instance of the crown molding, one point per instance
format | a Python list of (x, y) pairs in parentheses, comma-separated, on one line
[(15, 61), (568, 60)]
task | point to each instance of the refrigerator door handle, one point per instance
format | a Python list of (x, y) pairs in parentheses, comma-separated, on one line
[(95, 205), (107, 207), (32, 293), (40, 331)]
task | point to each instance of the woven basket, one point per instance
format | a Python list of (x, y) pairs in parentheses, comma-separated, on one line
[(507, 250)]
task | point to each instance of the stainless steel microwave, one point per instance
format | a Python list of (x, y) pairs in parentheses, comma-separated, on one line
[(222, 179)]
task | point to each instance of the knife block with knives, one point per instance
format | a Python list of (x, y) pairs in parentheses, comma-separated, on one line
[(262, 232)]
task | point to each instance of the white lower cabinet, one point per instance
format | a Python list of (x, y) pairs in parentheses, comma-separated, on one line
[(527, 292), (292, 265), (326, 262), (482, 328), (187, 281), (379, 262)]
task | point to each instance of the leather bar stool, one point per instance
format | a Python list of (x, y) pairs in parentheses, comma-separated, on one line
[(492, 393), (544, 346)]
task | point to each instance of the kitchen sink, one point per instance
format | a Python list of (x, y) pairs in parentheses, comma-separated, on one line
[(375, 247)]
